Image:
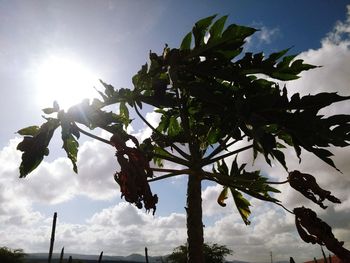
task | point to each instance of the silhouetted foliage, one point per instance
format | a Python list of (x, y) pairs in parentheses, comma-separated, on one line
[(211, 98), (213, 253), (8, 255)]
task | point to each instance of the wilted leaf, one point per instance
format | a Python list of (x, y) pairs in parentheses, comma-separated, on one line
[(242, 205), (222, 197), (306, 184)]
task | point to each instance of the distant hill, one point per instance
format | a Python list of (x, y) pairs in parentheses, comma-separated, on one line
[(133, 258)]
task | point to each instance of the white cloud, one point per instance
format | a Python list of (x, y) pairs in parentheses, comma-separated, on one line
[(265, 35), (153, 119)]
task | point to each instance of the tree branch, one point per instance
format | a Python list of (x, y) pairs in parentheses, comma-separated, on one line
[(221, 147), (224, 180), (285, 208), (227, 155), (163, 170), (182, 153), (171, 158), (283, 182), (162, 177), (175, 173), (92, 135)]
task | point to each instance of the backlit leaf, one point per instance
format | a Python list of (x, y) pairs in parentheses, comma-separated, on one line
[(31, 130), (186, 42), (216, 29), (200, 28), (34, 147), (242, 205), (222, 197)]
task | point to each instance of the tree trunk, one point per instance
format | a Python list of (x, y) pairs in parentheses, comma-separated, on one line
[(194, 220)]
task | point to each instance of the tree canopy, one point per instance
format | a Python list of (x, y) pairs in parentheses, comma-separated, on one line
[(8, 255), (210, 97), (213, 253)]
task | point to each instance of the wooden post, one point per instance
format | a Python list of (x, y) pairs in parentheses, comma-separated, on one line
[(146, 254), (52, 241), (61, 256), (100, 258)]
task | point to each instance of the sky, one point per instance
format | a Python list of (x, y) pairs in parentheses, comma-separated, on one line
[(46, 46)]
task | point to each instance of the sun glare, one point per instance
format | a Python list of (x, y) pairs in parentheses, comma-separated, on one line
[(63, 80)]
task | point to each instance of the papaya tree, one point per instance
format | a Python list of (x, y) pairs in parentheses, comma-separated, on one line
[(211, 97)]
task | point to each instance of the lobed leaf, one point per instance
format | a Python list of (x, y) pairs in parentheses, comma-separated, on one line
[(70, 144), (200, 28), (242, 205), (34, 145), (216, 29)]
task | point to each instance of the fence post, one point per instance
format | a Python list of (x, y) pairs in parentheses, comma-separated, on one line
[(61, 256), (146, 254), (52, 241), (100, 258)]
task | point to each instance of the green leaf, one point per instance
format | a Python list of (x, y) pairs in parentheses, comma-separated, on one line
[(222, 168), (186, 42), (242, 205), (200, 28), (283, 76), (55, 108), (70, 145), (317, 101), (34, 147), (234, 168), (213, 136), (324, 155), (160, 151), (109, 90), (216, 29), (49, 110), (31, 130), (124, 113), (238, 33), (164, 123), (280, 157), (285, 62), (174, 127), (275, 56), (97, 104)]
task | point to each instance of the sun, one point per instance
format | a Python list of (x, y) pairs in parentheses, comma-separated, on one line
[(65, 80)]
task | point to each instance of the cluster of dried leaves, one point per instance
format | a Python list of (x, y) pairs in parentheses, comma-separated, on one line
[(134, 172)]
